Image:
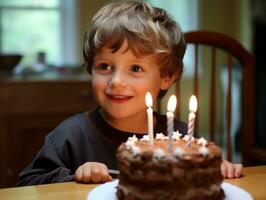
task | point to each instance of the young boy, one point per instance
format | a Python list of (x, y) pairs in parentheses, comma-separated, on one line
[(130, 48)]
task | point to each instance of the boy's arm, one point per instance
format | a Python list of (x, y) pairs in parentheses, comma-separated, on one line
[(37, 177), (47, 167)]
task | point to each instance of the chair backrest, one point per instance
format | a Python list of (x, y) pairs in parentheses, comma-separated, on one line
[(224, 86)]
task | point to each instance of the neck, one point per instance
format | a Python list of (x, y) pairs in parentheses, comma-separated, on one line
[(136, 124)]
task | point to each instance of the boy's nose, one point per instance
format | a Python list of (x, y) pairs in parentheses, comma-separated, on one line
[(117, 80)]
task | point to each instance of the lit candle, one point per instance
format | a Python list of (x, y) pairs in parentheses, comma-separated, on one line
[(150, 116), (170, 119), (191, 117)]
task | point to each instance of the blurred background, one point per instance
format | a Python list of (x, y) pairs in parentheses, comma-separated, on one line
[(46, 38)]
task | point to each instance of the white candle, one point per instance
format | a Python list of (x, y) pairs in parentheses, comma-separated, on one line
[(191, 117), (150, 116), (170, 119)]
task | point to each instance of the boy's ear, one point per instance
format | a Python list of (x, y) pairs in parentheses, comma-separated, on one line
[(167, 82)]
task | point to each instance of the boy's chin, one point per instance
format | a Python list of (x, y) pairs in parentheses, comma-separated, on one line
[(114, 114), (119, 114)]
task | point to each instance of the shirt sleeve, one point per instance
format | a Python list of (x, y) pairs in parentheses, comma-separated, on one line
[(47, 167)]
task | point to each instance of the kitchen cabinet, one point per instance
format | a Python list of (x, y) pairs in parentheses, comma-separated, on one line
[(30, 109)]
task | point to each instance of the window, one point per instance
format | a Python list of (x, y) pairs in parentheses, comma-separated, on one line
[(29, 26)]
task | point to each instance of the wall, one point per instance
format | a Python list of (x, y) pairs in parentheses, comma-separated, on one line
[(231, 17), (87, 9)]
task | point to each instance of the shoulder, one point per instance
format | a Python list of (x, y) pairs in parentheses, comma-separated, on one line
[(74, 122), (73, 128)]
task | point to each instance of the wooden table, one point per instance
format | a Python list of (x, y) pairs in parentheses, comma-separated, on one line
[(254, 181)]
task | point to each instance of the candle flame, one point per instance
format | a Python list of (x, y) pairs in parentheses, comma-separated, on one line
[(148, 99), (193, 104), (171, 103)]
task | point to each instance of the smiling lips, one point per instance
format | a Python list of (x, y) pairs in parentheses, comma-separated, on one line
[(119, 98)]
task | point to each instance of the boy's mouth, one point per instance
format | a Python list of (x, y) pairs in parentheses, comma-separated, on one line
[(119, 98)]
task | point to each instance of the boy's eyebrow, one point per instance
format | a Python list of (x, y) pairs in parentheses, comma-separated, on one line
[(100, 57)]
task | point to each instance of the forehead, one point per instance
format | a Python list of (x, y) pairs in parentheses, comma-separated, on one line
[(128, 51), (137, 46)]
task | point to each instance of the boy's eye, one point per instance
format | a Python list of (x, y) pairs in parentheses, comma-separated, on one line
[(104, 66), (136, 68)]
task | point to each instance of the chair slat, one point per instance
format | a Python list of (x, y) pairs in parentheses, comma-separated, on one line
[(196, 87), (229, 108), (213, 94)]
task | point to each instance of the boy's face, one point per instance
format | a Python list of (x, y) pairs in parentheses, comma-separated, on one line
[(120, 81)]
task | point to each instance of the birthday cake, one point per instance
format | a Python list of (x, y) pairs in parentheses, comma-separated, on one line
[(187, 169)]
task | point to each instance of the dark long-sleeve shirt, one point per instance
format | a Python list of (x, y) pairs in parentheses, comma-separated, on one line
[(84, 137)]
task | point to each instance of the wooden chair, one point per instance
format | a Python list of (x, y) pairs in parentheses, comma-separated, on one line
[(224, 55)]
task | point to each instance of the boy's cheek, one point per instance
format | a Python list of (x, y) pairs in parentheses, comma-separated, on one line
[(98, 82)]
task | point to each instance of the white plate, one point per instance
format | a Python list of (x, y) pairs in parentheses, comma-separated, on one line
[(107, 192)]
